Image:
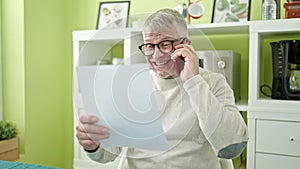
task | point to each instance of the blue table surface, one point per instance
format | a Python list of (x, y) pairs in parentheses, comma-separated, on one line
[(16, 165)]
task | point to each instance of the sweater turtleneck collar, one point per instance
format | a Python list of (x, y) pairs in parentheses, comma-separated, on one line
[(165, 84)]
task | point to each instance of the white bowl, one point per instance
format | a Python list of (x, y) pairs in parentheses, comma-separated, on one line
[(196, 10)]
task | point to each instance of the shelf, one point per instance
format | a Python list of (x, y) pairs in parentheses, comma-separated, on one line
[(122, 34), (219, 28), (274, 105), (242, 105), (92, 35), (275, 27), (262, 27)]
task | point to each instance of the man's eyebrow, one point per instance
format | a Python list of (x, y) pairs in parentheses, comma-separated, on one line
[(165, 38)]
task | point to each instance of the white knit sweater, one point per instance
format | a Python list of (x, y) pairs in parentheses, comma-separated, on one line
[(201, 123)]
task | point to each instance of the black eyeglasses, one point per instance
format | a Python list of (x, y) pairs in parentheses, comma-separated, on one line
[(164, 47)]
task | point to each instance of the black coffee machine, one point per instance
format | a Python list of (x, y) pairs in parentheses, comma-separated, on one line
[(286, 69)]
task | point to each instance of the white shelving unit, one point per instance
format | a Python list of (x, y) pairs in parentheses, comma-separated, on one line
[(273, 124), (90, 46), (258, 31)]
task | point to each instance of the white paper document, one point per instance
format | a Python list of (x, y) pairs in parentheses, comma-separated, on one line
[(122, 97)]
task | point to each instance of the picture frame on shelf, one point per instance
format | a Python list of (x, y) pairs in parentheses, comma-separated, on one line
[(231, 11), (112, 15)]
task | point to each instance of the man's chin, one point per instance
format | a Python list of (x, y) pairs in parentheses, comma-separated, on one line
[(164, 75)]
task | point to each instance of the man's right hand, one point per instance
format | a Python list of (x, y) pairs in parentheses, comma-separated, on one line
[(89, 133)]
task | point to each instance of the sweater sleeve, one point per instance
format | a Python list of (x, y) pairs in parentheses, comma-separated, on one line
[(219, 119), (105, 155)]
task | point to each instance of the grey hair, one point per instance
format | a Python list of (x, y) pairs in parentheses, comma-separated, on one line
[(164, 18)]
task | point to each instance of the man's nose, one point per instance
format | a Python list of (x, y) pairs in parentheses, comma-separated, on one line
[(157, 53)]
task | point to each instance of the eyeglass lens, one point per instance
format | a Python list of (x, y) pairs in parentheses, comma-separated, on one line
[(163, 46)]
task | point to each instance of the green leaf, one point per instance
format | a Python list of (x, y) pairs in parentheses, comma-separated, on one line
[(222, 5), (8, 130)]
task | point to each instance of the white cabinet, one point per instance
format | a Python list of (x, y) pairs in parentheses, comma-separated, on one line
[(276, 161), (284, 136), (273, 124), (274, 140)]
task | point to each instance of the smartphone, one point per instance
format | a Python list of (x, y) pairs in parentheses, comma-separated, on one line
[(178, 65)]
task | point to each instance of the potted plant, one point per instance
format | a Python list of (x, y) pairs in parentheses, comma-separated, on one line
[(9, 141)]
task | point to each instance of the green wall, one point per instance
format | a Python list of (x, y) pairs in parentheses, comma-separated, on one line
[(37, 68), (46, 83), (37, 79), (13, 83)]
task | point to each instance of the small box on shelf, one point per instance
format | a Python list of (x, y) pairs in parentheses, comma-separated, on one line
[(292, 9)]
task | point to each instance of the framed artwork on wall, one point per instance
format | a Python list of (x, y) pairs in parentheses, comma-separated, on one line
[(113, 15), (231, 11)]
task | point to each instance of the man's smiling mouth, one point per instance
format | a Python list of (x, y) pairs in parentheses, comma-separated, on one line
[(163, 63)]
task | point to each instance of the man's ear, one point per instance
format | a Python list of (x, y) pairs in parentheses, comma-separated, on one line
[(187, 41)]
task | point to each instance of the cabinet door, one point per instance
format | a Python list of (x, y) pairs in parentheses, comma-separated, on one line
[(267, 161), (278, 137)]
